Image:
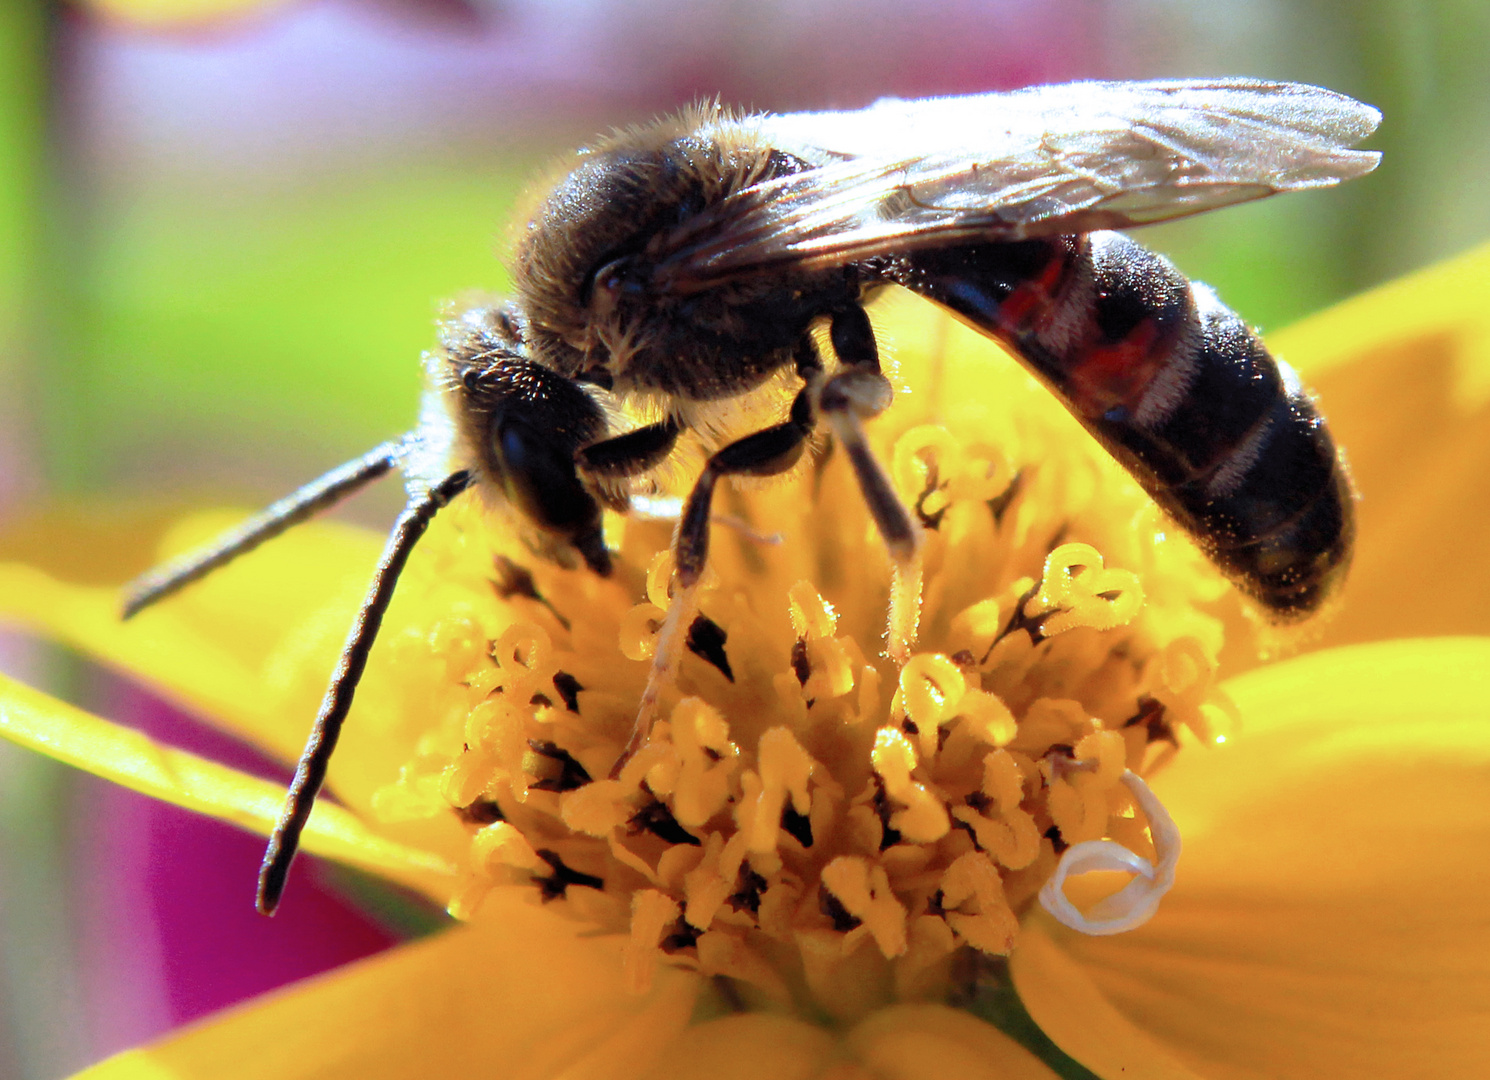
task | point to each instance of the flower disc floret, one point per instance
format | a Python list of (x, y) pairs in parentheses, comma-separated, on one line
[(805, 804)]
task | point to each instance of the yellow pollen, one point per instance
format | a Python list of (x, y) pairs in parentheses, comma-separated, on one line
[(924, 817)]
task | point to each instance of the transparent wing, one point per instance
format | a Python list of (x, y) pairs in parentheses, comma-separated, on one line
[(902, 175)]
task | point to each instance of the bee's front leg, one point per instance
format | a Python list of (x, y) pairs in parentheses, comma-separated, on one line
[(607, 465)]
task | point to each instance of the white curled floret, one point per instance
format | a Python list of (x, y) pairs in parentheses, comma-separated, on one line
[(1135, 903)]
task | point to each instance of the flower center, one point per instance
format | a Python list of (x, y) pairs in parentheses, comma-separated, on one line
[(808, 814)]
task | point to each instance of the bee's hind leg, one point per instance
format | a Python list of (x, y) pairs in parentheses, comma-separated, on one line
[(846, 400)]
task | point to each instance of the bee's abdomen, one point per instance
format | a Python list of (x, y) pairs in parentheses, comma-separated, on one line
[(1179, 390)]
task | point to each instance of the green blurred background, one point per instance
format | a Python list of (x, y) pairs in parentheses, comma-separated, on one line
[(223, 236), (225, 270), (215, 299)]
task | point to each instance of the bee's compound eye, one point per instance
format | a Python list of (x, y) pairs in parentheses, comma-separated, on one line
[(609, 283)]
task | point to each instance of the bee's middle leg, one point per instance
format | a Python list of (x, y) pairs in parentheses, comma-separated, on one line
[(765, 453)]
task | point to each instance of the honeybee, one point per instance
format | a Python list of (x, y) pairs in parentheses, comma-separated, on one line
[(687, 262)]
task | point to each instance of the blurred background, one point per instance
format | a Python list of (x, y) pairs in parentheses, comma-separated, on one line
[(226, 225)]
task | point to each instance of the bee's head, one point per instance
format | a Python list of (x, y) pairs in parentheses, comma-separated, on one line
[(521, 423)]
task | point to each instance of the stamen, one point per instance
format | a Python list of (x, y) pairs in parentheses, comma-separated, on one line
[(991, 924), (924, 818), (652, 913), (864, 891), (1076, 590), (829, 810), (784, 771), (667, 648)]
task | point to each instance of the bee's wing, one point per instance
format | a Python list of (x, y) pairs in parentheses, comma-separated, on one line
[(902, 175)]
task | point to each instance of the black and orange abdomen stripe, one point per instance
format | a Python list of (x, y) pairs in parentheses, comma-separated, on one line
[(1178, 389)]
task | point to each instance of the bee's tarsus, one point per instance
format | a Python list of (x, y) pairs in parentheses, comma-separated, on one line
[(310, 773), (900, 532), (854, 394), (320, 494), (853, 338), (845, 400)]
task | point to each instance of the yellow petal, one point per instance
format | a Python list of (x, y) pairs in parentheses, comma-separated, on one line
[(902, 1042), (1444, 300), (1403, 373), (250, 648), (750, 1046), (934, 1042), (130, 758), (1069, 1006), (89, 542), (1329, 915), (214, 647), (519, 996)]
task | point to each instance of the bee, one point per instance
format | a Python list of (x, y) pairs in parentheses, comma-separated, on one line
[(688, 262)]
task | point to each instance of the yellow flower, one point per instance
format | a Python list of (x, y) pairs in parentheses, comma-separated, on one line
[(820, 860)]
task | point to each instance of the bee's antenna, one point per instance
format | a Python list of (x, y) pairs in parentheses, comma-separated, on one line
[(309, 500), (311, 772)]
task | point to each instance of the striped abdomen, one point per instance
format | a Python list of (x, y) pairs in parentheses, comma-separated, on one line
[(1178, 389)]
